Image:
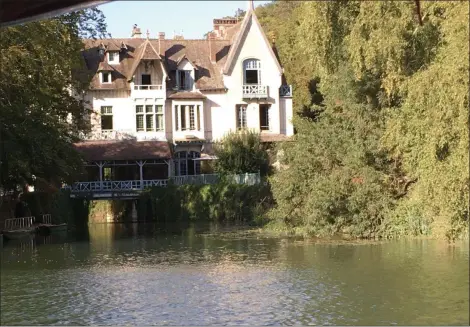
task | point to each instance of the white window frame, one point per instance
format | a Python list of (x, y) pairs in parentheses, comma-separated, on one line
[(268, 118), (106, 111), (116, 57), (154, 113), (241, 115), (102, 77), (252, 64), (185, 161), (192, 117), (189, 83)]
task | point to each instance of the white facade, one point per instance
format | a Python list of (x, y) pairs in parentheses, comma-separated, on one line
[(149, 111)]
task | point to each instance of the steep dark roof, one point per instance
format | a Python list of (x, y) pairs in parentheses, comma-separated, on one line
[(208, 76), (123, 150)]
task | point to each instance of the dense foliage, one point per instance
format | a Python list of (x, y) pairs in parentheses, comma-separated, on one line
[(41, 104), (241, 152), (381, 117), (218, 202)]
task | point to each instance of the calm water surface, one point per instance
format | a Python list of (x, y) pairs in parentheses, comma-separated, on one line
[(136, 274)]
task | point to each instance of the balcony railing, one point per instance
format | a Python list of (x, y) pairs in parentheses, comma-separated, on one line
[(285, 91), (111, 135), (255, 91), (148, 87), (137, 185)]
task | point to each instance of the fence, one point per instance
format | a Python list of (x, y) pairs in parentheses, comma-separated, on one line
[(137, 185), (19, 223)]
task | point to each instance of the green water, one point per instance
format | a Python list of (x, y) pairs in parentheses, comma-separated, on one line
[(138, 274)]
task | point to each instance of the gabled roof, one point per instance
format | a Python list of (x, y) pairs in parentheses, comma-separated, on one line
[(104, 67), (181, 60), (250, 17), (144, 52), (112, 46)]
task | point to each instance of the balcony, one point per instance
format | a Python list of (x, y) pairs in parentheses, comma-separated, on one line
[(255, 91), (119, 135), (156, 91), (285, 91)]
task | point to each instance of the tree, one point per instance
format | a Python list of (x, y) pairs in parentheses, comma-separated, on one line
[(41, 105), (240, 153), (381, 117)]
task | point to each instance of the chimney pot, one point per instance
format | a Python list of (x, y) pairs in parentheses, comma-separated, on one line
[(212, 52), (136, 32)]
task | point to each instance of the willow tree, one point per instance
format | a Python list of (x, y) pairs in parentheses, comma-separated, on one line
[(384, 150), (41, 108)]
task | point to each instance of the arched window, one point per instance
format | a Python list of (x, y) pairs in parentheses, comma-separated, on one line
[(185, 163), (252, 71)]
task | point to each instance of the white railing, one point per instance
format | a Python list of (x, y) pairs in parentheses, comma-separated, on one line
[(196, 179), (111, 135), (47, 219), (255, 91), (285, 91), (148, 87), (137, 185), (19, 223)]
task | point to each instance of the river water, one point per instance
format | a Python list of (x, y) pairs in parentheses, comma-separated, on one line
[(138, 274)]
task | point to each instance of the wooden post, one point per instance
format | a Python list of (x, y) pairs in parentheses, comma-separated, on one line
[(168, 162), (141, 165), (101, 165)]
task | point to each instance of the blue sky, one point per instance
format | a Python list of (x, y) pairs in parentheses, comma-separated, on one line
[(194, 18)]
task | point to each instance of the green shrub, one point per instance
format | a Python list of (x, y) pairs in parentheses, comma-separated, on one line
[(241, 152)]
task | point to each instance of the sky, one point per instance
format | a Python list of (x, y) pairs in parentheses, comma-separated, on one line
[(192, 18)]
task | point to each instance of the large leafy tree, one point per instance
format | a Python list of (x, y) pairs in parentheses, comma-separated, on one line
[(41, 97), (382, 126)]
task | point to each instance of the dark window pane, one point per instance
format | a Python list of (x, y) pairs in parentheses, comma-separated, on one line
[(146, 79), (198, 118), (106, 122), (183, 118), (106, 77), (139, 123), (251, 77), (264, 117), (149, 122), (176, 118)]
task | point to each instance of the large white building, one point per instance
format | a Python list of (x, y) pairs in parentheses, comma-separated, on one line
[(158, 104)]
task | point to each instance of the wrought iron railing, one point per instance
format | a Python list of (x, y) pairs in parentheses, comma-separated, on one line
[(137, 185), (255, 91), (285, 91)]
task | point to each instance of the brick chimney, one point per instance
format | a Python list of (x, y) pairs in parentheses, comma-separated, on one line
[(136, 33), (221, 25), (161, 37), (212, 53)]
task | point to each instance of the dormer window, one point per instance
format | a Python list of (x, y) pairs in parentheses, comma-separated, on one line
[(252, 71), (113, 57), (184, 80), (106, 77)]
